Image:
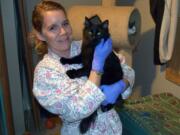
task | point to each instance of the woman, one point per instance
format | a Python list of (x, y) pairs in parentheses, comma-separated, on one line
[(73, 99)]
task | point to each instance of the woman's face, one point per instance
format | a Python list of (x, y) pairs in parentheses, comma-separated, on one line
[(57, 32)]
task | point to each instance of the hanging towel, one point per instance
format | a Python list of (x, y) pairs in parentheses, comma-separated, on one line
[(168, 30)]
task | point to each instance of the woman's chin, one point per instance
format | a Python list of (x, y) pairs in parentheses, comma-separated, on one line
[(65, 45)]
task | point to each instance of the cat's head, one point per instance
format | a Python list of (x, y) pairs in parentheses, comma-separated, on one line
[(95, 29)]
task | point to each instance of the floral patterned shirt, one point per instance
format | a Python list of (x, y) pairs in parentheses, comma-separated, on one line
[(75, 99)]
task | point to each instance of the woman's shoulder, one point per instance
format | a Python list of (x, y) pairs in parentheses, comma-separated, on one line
[(48, 63)]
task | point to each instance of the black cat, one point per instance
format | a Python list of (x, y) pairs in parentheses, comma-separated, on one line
[(94, 30)]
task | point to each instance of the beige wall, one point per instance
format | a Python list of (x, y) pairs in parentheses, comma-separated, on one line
[(150, 79), (66, 3), (69, 3)]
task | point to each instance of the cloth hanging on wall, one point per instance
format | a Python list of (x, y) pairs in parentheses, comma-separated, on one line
[(157, 11), (168, 30), (164, 14)]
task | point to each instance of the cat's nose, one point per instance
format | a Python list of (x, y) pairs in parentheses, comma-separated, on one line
[(93, 37)]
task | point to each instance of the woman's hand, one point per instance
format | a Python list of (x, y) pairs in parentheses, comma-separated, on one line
[(112, 91), (102, 50)]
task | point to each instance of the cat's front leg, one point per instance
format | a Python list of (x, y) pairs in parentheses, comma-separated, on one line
[(77, 73), (74, 60), (72, 73)]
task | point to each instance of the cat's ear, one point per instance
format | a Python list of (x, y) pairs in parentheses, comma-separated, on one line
[(105, 24), (87, 22)]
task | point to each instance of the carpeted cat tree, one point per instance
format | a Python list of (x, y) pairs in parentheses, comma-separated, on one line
[(124, 24)]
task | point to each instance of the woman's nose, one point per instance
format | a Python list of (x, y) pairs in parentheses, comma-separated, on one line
[(62, 31)]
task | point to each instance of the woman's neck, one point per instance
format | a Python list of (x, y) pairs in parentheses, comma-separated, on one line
[(65, 54)]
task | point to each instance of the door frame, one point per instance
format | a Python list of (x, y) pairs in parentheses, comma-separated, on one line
[(6, 102)]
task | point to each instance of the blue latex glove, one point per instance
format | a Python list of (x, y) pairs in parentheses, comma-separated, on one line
[(102, 50), (112, 91)]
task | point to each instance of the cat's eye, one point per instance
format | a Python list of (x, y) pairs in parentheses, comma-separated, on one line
[(99, 33), (90, 33)]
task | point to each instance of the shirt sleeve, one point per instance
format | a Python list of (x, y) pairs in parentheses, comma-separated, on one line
[(129, 74), (71, 99)]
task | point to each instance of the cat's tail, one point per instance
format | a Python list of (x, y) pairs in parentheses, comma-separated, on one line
[(86, 122)]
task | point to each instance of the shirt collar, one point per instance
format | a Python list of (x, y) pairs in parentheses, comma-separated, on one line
[(52, 54), (74, 50)]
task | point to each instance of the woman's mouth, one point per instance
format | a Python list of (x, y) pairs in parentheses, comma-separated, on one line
[(64, 40)]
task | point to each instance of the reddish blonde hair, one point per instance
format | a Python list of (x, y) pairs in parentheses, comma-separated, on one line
[(37, 22)]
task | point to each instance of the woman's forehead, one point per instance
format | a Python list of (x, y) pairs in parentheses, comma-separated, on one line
[(54, 16)]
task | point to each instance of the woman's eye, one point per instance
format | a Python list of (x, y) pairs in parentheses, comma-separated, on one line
[(52, 28), (99, 33), (66, 23)]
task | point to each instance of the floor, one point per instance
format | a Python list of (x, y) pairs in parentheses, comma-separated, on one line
[(53, 131), (49, 126)]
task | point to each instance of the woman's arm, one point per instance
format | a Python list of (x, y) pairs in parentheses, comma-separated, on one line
[(71, 99)]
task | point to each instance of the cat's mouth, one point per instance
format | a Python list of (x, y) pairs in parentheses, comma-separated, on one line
[(96, 41)]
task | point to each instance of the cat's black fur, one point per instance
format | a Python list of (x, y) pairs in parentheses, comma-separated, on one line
[(94, 30)]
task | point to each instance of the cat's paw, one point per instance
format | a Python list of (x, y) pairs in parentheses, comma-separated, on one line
[(107, 107), (71, 73), (63, 61)]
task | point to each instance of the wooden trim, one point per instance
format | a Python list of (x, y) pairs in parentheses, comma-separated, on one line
[(5, 84), (173, 69), (172, 76)]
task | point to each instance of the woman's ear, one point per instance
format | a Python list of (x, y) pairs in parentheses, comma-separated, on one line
[(40, 36)]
